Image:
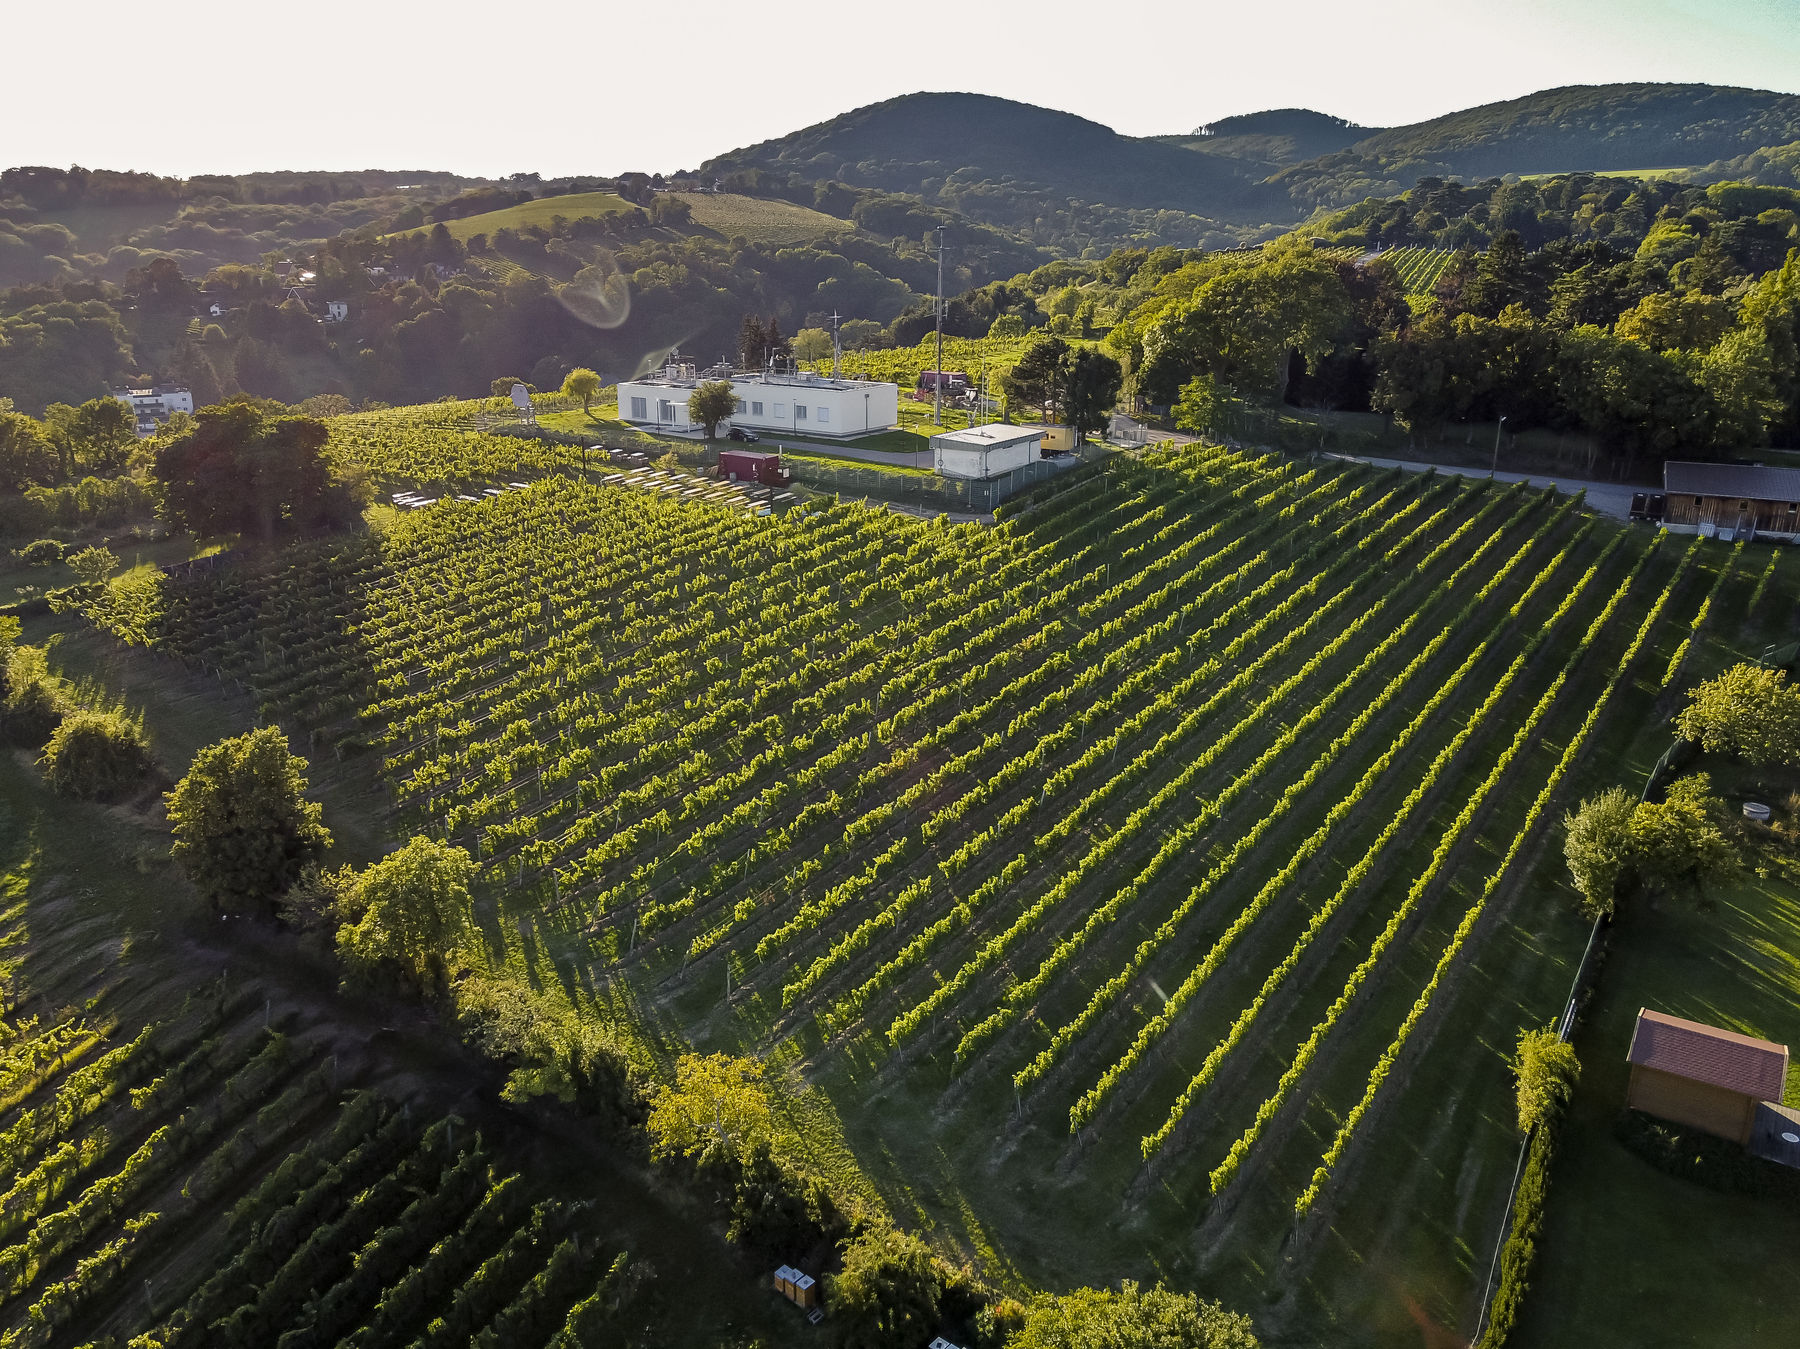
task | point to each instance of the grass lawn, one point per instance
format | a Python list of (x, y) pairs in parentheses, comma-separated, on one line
[(1619, 1231), (20, 582)]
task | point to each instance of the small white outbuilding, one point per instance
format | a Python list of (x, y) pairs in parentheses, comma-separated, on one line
[(986, 451)]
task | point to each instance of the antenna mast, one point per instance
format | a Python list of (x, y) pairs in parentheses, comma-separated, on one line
[(937, 406), (836, 350)]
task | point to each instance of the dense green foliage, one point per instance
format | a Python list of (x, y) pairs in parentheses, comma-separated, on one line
[(1130, 1318), (243, 827), (410, 911), (96, 755), (1615, 845), (1747, 711), (1546, 1070), (241, 471)]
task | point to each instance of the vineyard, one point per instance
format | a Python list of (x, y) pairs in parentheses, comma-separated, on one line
[(1417, 269), (1159, 842), (211, 1182)]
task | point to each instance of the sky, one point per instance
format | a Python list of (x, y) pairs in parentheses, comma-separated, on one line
[(204, 86)]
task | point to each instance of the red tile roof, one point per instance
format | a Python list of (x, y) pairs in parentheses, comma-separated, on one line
[(1723, 1058)]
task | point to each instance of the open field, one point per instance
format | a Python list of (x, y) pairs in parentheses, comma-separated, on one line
[(1151, 885), (761, 220)]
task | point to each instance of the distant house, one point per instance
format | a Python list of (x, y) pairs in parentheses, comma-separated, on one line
[(1703, 1077), (336, 311), (151, 407), (1731, 501)]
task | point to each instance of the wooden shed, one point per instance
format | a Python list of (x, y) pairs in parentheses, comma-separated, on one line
[(1731, 501), (1702, 1077)]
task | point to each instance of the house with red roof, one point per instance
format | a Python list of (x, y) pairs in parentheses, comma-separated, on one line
[(1703, 1077)]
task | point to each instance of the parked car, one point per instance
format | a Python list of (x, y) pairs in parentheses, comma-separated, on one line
[(739, 433)]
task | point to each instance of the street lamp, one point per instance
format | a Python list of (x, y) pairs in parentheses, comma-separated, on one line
[(1495, 466)]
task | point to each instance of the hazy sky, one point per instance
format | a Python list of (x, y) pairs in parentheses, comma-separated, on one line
[(187, 86)]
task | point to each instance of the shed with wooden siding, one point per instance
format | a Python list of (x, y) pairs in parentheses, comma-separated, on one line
[(1731, 501), (1701, 1076)]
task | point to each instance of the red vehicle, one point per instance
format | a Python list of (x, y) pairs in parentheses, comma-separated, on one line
[(752, 466)]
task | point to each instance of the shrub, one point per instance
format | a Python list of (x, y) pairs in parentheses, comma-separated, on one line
[(1089, 1318), (1597, 846), (1547, 1070), (34, 701), (889, 1292), (96, 755), (411, 910), (42, 552)]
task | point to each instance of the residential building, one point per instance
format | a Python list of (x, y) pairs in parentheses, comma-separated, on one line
[(336, 311), (1703, 1077), (153, 406), (769, 403), (986, 451)]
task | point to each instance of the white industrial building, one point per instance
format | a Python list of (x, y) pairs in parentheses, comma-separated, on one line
[(768, 403), (986, 451), (150, 408)]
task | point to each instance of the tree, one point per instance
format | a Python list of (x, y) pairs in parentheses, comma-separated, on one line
[(717, 1100), (1199, 406), (1040, 377), (243, 827), (93, 565), (26, 456), (581, 383), (411, 909), (812, 344), (753, 343), (1748, 711), (96, 755), (503, 387), (1546, 1070), (1006, 326), (243, 470), (711, 404), (1678, 840), (1597, 847), (1091, 391), (1130, 1318), (887, 1296)]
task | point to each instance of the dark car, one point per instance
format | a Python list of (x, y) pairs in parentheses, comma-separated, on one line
[(739, 433)]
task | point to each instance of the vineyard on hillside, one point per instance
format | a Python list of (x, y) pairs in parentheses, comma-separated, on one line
[(1172, 819), (1417, 269), (210, 1183)]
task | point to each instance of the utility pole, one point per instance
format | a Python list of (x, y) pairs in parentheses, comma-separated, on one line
[(1495, 466), (836, 350), (937, 406)]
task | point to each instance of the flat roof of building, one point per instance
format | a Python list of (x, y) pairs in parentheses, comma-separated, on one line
[(1702, 1053), (988, 437), (1747, 481), (803, 380)]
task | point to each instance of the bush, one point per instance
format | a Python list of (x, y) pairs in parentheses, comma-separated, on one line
[(1547, 1070), (888, 1295), (96, 755), (42, 552), (34, 700), (1129, 1317)]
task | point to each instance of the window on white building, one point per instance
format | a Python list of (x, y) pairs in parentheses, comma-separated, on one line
[(824, 416), (780, 411), (640, 409), (665, 410), (799, 412), (755, 409)]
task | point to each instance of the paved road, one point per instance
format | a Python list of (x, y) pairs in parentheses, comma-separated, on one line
[(922, 459), (1608, 498)]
